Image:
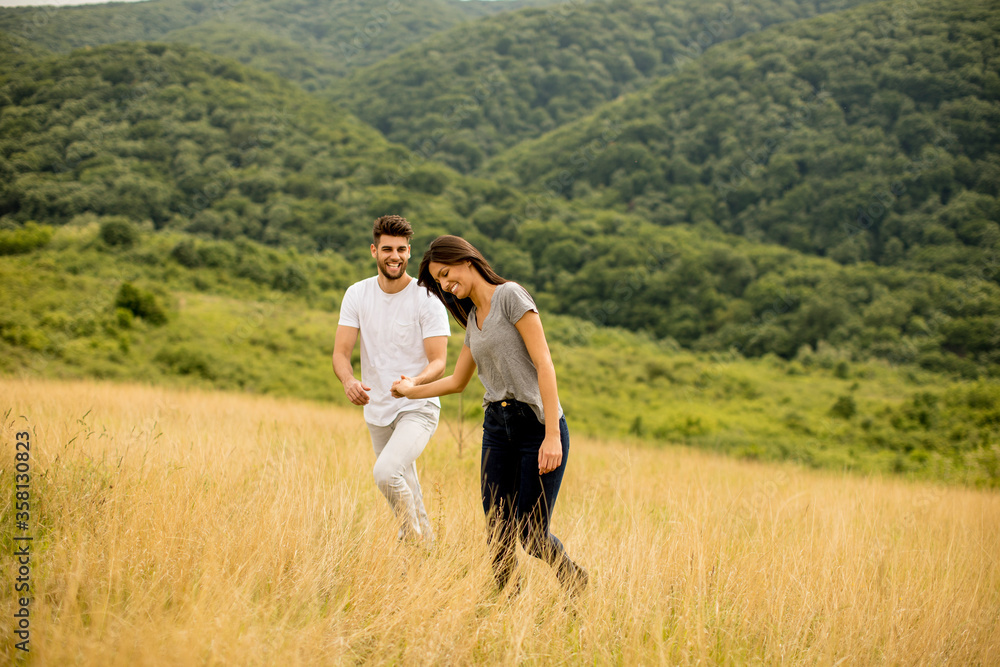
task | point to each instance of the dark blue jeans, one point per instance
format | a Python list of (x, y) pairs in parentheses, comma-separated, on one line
[(517, 500)]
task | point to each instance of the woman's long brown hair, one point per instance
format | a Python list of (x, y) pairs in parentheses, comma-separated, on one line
[(453, 250)]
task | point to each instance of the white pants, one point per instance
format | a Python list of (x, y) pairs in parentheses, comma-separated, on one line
[(397, 447)]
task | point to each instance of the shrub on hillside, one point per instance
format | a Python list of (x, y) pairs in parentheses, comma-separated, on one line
[(19, 241), (845, 407), (291, 279), (140, 303), (184, 360), (252, 268), (217, 255), (119, 233), (186, 254)]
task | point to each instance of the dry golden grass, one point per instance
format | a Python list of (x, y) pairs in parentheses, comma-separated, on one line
[(205, 528)]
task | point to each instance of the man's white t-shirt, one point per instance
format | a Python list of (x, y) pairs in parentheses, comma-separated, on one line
[(392, 331)]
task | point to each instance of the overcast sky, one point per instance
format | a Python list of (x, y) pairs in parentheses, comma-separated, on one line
[(36, 3)]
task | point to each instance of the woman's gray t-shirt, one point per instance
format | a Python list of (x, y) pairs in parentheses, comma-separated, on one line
[(505, 367)]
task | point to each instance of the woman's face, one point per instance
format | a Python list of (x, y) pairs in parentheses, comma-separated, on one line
[(455, 278)]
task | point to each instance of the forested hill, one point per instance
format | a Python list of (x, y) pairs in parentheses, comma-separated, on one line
[(479, 88), (181, 138), (15, 50), (869, 135), (308, 41), (170, 138)]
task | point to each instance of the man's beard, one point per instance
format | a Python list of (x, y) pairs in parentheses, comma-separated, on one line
[(383, 268)]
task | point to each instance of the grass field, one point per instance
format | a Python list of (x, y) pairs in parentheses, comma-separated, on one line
[(178, 527)]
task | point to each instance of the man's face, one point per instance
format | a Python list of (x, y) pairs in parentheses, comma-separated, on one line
[(391, 255)]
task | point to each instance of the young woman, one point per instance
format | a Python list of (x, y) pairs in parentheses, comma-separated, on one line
[(525, 439)]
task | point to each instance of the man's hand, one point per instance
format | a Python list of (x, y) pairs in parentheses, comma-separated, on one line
[(402, 386), (356, 392)]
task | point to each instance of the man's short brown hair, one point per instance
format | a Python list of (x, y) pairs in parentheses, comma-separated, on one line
[(391, 225)]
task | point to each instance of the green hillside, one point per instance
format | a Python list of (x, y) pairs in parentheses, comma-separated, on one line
[(477, 89), (725, 293), (871, 135), (308, 41), (118, 302)]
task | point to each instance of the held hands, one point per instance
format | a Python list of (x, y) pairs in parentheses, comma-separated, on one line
[(356, 392), (402, 386), (550, 453)]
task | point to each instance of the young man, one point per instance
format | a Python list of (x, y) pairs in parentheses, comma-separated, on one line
[(404, 331)]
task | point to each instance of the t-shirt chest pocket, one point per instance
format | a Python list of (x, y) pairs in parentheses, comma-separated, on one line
[(404, 333)]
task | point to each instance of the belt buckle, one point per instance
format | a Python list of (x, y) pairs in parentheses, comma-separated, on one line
[(503, 404)]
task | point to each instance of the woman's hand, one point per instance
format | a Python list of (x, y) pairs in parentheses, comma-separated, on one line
[(402, 386), (550, 453)]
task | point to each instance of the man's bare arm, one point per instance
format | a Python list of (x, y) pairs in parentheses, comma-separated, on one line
[(343, 347)]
